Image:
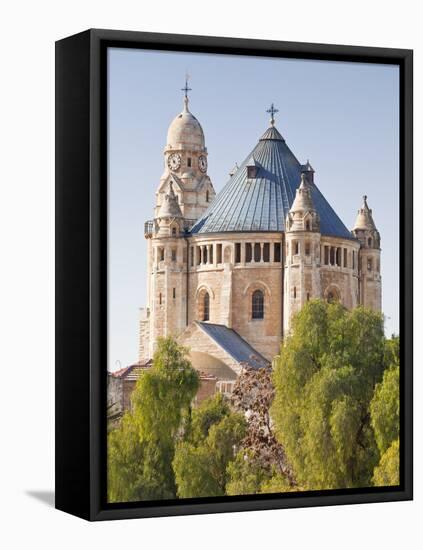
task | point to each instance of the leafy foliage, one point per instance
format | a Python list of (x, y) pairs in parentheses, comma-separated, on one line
[(246, 474), (141, 450), (384, 407), (201, 462), (387, 471), (326, 417), (278, 483), (324, 379), (384, 410), (211, 412)]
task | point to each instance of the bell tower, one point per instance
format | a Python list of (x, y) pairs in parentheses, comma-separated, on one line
[(185, 165), (302, 258), (184, 193), (369, 278)]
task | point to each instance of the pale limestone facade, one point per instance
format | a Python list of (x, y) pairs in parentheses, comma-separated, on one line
[(251, 282)]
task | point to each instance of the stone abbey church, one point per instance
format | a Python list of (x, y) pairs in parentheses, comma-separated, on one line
[(226, 272)]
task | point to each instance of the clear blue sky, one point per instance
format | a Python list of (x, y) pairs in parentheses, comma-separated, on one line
[(344, 117)]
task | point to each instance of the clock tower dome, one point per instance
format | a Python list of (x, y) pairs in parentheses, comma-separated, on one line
[(185, 165)]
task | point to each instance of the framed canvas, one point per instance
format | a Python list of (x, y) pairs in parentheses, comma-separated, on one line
[(233, 274)]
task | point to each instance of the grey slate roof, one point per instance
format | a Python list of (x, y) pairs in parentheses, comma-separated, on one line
[(261, 204), (233, 344)]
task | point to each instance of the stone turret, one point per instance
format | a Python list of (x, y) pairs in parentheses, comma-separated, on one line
[(370, 282), (169, 216), (302, 214), (302, 260)]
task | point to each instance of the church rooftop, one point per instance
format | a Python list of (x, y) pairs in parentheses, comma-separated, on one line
[(234, 344), (259, 200)]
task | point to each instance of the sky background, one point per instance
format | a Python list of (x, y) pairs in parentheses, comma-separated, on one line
[(343, 117)]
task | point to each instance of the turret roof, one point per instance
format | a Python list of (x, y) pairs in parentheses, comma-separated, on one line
[(364, 218), (303, 201)]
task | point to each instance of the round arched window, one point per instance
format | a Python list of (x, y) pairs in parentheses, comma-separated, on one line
[(203, 306), (257, 305)]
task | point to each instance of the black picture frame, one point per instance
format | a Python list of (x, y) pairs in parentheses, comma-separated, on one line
[(81, 271)]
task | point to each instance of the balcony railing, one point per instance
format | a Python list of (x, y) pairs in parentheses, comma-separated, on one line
[(148, 228)]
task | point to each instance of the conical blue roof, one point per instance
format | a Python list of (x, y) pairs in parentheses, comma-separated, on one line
[(261, 203)]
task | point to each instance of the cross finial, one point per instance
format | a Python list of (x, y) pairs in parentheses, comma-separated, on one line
[(272, 112), (185, 88)]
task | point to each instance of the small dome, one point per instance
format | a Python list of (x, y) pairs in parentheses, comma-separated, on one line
[(185, 131)]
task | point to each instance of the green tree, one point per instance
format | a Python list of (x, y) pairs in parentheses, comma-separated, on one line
[(384, 407), (387, 471), (210, 412), (246, 474), (142, 448), (324, 380), (384, 411), (201, 461), (278, 483)]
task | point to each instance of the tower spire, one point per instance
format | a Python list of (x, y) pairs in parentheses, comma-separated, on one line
[(272, 112), (186, 89), (364, 218)]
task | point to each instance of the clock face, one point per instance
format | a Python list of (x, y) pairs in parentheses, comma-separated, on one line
[(202, 163), (174, 161)]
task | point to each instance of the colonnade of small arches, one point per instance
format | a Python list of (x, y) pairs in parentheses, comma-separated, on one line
[(330, 255), (237, 253)]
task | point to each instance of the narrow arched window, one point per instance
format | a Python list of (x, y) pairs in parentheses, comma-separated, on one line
[(369, 241), (207, 196), (206, 307), (257, 305)]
